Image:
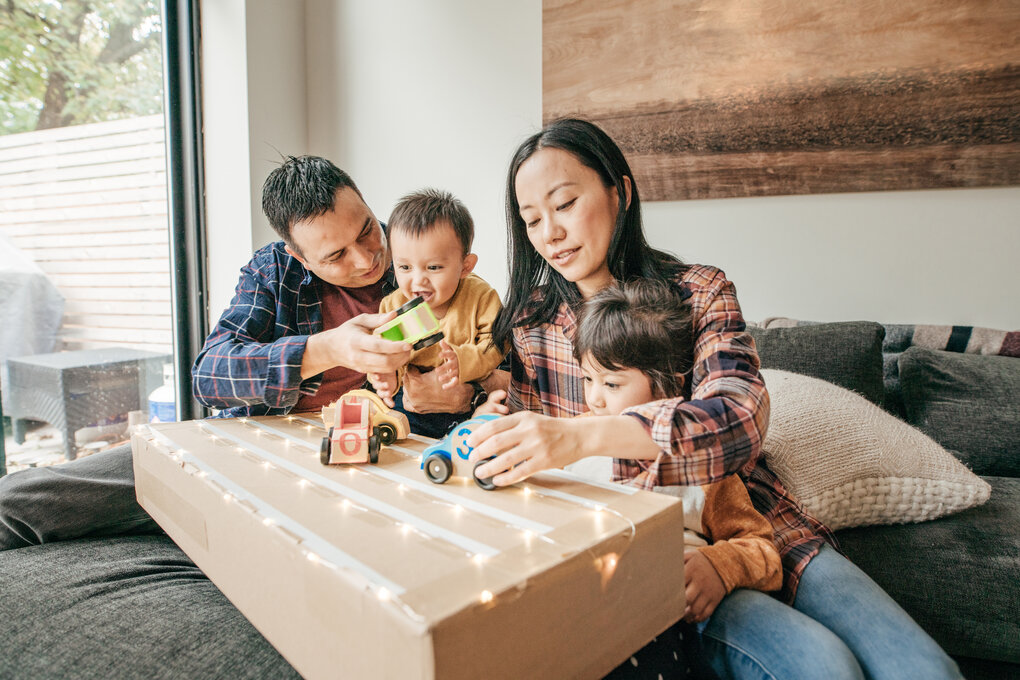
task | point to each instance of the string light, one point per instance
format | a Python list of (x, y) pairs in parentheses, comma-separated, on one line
[(485, 597)]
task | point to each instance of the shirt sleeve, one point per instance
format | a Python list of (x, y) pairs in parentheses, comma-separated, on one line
[(719, 430), (742, 550), (479, 358), (522, 393), (241, 362)]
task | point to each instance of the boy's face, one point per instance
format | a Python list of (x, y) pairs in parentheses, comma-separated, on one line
[(430, 265), (345, 246), (608, 393)]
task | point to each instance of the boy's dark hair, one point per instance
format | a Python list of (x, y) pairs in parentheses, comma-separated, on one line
[(642, 324), (301, 188), (420, 211)]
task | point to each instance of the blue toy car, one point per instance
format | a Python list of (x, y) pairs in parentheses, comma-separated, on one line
[(449, 456)]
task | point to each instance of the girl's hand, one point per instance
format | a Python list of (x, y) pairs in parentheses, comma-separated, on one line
[(525, 443), (448, 372), (705, 589), (493, 404), (385, 385)]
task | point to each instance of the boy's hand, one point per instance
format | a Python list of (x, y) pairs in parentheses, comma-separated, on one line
[(705, 589), (493, 404), (448, 371), (385, 385)]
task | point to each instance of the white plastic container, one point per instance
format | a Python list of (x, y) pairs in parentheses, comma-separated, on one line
[(162, 402)]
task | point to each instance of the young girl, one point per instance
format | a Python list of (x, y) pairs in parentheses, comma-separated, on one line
[(633, 343), (574, 220)]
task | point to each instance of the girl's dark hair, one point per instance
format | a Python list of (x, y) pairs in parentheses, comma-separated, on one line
[(642, 324), (629, 255), (302, 187)]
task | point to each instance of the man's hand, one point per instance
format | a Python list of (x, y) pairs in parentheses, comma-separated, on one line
[(423, 393), (352, 344), (705, 589), (448, 372), (385, 385)]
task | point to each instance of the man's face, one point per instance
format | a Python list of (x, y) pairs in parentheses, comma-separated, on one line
[(345, 246)]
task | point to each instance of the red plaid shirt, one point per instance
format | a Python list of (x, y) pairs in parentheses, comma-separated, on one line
[(715, 429)]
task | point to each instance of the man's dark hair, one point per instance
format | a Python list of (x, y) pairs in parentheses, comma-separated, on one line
[(419, 212), (301, 188), (642, 324)]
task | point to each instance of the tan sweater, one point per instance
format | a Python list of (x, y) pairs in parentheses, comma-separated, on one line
[(721, 522), (467, 328)]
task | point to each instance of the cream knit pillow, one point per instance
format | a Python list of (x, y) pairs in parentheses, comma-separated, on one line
[(852, 464)]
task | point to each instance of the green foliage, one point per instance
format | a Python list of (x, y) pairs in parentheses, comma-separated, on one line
[(78, 61)]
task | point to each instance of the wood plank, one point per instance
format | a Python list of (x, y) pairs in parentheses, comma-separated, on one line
[(56, 162), (86, 307), (63, 198), (88, 185), (86, 293), (113, 280), (119, 168), (117, 238), (73, 344), (129, 267), (81, 131), (120, 253), (84, 212), (148, 336), (110, 224), (132, 321), (84, 144)]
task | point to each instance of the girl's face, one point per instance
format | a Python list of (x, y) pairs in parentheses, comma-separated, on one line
[(570, 216), (608, 393)]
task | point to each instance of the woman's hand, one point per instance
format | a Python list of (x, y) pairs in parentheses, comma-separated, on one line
[(525, 443), (705, 589)]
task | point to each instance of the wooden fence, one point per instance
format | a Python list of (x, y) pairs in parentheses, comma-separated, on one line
[(88, 204)]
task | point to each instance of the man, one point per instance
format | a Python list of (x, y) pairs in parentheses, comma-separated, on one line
[(297, 335)]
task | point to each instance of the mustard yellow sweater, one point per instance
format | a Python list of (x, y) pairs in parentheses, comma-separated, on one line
[(467, 328)]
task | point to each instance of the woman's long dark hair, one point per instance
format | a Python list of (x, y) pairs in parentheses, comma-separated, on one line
[(629, 255)]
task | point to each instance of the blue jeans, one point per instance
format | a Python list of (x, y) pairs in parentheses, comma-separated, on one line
[(842, 625), (434, 425)]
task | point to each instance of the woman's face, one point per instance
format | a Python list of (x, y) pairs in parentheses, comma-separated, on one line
[(569, 215)]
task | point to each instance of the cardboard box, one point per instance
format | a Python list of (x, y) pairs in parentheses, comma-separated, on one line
[(372, 571)]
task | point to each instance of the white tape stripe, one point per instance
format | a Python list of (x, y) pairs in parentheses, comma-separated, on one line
[(281, 433), (404, 450), (437, 491), (562, 495), (303, 420), (609, 486), (465, 543), (315, 543), (423, 440)]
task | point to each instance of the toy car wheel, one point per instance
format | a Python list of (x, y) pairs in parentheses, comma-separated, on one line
[(387, 433), (485, 483), (373, 446), (427, 342), (327, 443), (438, 468), (410, 304)]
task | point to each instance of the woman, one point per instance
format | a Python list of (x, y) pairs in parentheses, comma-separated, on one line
[(574, 218)]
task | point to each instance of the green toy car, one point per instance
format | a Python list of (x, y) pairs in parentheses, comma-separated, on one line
[(415, 324)]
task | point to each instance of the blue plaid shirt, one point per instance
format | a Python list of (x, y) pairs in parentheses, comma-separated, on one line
[(250, 365)]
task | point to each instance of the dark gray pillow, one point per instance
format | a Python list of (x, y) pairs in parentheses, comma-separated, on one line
[(969, 403), (845, 353)]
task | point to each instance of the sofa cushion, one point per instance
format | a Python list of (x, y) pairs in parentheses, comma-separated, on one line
[(845, 353), (128, 607), (850, 463), (956, 575), (969, 403)]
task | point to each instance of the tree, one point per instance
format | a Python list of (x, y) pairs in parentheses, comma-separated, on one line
[(78, 61)]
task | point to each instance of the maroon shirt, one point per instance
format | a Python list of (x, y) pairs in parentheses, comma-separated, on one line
[(338, 306)]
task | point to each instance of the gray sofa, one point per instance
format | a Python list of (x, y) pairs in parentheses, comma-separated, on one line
[(136, 606)]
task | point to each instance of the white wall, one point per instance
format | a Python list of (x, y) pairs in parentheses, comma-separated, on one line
[(408, 94)]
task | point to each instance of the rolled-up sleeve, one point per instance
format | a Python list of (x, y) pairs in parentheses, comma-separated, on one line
[(719, 430)]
